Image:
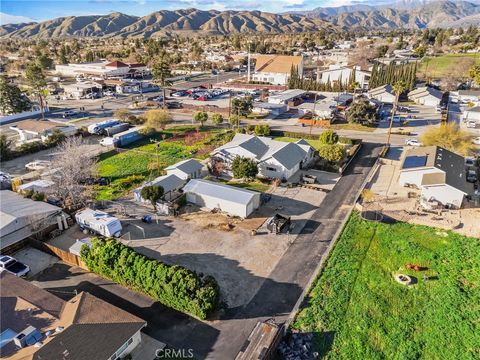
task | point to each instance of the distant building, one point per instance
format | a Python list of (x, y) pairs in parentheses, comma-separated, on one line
[(384, 93), (102, 69), (427, 96), (438, 173), (41, 129), (472, 114), (466, 96), (343, 74), (276, 69), (39, 325)]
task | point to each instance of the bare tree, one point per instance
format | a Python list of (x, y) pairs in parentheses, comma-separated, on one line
[(73, 165)]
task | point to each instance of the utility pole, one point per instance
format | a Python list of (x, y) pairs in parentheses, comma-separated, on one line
[(313, 112), (157, 148), (394, 110), (248, 64)]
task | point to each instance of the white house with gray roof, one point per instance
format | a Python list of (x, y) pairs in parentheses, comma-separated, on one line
[(186, 169), (169, 183), (275, 159)]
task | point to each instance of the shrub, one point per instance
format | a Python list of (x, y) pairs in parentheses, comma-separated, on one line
[(153, 194), (172, 285), (333, 153), (262, 130), (249, 128), (299, 135), (28, 194), (345, 140), (328, 137), (129, 181), (217, 119), (244, 168), (38, 196), (201, 117)]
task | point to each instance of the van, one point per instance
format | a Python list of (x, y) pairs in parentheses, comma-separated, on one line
[(471, 124)]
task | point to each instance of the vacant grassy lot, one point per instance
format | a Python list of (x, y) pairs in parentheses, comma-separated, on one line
[(127, 168), (358, 311), (440, 66)]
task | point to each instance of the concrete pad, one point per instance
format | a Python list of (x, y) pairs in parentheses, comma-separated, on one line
[(147, 349), (37, 260)]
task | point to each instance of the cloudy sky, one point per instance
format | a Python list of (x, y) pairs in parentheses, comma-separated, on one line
[(15, 11)]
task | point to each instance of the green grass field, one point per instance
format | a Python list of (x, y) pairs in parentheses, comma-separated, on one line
[(440, 66), (141, 157), (357, 310)]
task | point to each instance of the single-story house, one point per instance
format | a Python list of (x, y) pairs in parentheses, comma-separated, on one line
[(324, 109), (37, 186), (212, 195), (41, 129), (438, 173), (275, 159), (21, 217), (170, 184), (286, 96), (427, 96), (268, 108), (384, 93), (466, 96), (472, 114), (186, 169), (39, 325)]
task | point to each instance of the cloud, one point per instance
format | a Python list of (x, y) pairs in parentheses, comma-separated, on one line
[(13, 19)]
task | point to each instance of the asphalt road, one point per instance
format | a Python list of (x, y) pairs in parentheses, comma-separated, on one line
[(222, 337)]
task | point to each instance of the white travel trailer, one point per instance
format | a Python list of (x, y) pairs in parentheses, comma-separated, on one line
[(99, 222), (99, 128)]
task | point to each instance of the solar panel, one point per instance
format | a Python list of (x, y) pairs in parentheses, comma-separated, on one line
[(414, 161)]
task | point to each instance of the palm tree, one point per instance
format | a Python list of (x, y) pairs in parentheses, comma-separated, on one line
[(161, 72), (399, 87)]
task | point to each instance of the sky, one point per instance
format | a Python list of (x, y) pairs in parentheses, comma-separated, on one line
[(16, 11)]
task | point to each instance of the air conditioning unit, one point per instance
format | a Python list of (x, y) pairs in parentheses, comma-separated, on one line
[(28, 336)]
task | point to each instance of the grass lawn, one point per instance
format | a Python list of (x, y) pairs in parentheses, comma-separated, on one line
[(440, 66), (254, 185), (358, 311), (352, 126), (141, 157)]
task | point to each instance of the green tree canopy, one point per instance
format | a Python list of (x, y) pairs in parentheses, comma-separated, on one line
[(244, 168), (152, 193), (328, 137), (201, 117), (332, 153), (362, 112), (158, 119), (448, 136), (11, 99), (217, 118), (242, 106)]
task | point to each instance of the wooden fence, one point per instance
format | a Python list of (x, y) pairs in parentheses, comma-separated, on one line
[(63, 255)]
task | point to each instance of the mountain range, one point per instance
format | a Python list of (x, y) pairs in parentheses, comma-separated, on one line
[(412, 14)]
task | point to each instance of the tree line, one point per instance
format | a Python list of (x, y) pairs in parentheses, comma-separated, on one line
[(393, 73)]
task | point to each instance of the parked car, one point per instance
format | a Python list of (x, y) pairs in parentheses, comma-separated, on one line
[(472, 176), (397, 119), (13, 266), (469, 161), (69, 114), (174, 105), (413, 142), (158, 99), (476, 141), (180, 93), (108, 93), (38, 165), (471, 124)]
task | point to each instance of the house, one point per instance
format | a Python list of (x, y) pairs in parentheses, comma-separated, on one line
[(186, 169), (170, 184), (102, 69), (427, 96), (472, 114), (291, 97), (276, 69), (384, 93), (275, 159), (21, 217), (438, 173), (324, 109), (232, 200), (41, 129), (268, 108), (466, 96), (39, 325), (343, 74)]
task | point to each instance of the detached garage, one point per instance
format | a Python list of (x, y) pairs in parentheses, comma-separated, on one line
[(229, 199)]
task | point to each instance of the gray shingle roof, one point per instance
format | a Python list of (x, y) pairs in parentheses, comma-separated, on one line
[(187, 166), (220, 191), (289, 155)]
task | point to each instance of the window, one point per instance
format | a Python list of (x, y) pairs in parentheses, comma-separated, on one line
[(271, 169)]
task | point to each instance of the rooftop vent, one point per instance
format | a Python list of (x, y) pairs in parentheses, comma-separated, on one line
[(28, 336)]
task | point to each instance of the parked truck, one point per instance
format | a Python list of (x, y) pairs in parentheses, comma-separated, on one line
[(98, 222), (116, 129), (122, 139), (99, 128)]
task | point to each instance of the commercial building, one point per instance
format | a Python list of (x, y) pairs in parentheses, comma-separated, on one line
[(343, 74), (438, 173), (275, 159), (276, 69), (39, 325), (229, 199), (102, 69)]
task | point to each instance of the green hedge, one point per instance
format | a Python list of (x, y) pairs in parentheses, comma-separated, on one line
[(174, 286), (300, 135)]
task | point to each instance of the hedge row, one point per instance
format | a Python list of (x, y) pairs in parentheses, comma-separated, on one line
[(174, 286)]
